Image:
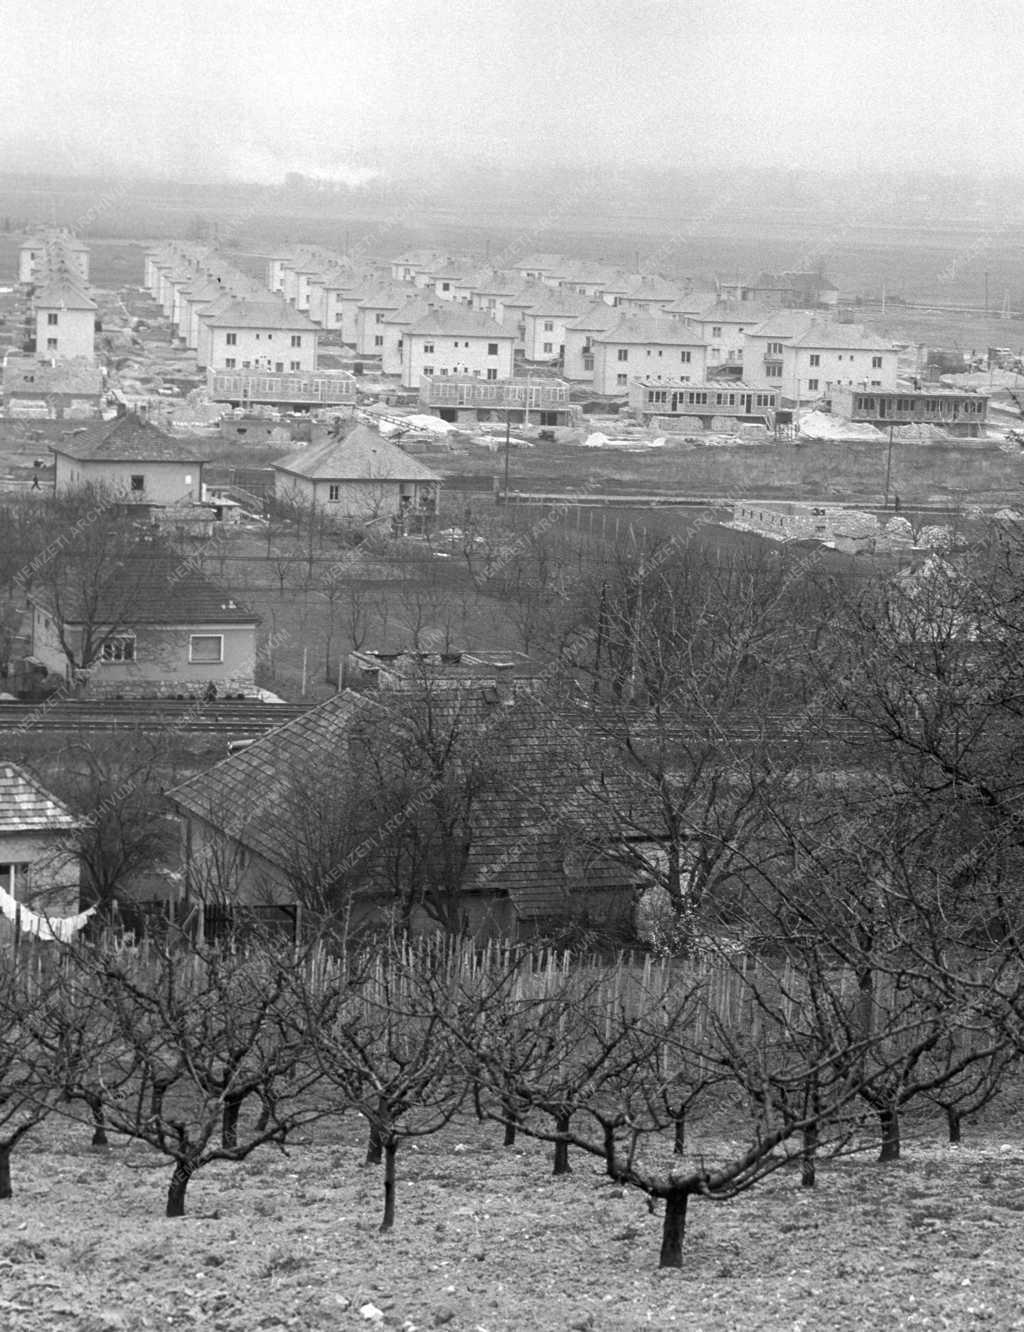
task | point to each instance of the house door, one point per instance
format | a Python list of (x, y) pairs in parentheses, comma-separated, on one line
[(881, 409), (748, 403)]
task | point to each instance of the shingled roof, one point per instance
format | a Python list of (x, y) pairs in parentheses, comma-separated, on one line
[(153, 586), (362, 455), (522, 845), (25, 806), (127, 438)]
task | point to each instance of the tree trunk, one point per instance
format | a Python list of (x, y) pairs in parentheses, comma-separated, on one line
[(673, 1229), (889, 1119), (954, 1120), (390, 1152), (5, 1172), (510, 1131), (99, 1124), (679, 1139), (176, 1193), (229, 1122), (809, 1157), (562, 1166), (375, 1145)]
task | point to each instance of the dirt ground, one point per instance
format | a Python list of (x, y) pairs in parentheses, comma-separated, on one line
[(487, 1240)]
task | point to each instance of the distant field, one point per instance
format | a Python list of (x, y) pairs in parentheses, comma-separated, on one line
[(966, 472)]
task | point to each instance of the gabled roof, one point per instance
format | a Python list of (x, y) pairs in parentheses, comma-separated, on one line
[(362, 455), (237, 313), (386, 296), (518, 847), (26, 806), (783, 324), (746, 313), (527, 295), (692, 303), (154, 586), (62, 294), (842, 337), (495, 282), (652, 287), (413, 309), (126, 439), (597, 318), (560, 302), (459, 321), (651, 330)]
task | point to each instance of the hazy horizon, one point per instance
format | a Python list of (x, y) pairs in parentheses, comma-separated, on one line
[(250, 92)]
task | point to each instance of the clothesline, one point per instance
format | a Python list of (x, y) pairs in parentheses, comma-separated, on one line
[(50, 929)]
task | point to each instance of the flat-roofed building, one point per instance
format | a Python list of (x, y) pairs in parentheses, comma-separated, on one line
[(704, 404), (464, 399), (958, 411)]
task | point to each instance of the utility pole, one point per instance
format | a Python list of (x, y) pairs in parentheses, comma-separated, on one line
[(508, 446)]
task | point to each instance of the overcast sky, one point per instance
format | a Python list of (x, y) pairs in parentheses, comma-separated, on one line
[(259, 88)]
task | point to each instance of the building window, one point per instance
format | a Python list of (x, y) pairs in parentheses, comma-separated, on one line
[(774, 349), (377, 318), (232, 339), (378, 341), (685, 357), (119, 648), (716, 330), (548, 346), (773, 371), (12, 875), (876, 363), (138, 482), (294, 365), (334, 492), (812, 385), (620, 380), (428, 369), (623, 353), (51, 319), (229, 364), (492, 348), (296, 339), (51, 344), (428, 349), (205, 648), (492, 372), (816, 359), (549, 326), (588, 363)]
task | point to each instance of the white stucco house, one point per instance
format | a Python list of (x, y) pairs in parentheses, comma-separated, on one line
[(360, 477)]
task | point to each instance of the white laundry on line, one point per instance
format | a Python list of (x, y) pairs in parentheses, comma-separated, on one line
[(52, 929)]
